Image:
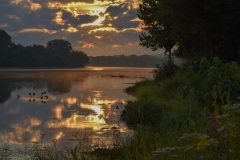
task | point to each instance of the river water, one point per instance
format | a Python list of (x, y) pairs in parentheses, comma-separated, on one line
[(65, 106)]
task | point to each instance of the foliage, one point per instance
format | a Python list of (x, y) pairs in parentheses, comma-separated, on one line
[(143, 112), (195, 28), (166, 70), (59, 46), (200, 117), (58, 53)]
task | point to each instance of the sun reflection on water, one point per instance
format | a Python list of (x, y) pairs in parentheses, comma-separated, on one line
[(75, 100)]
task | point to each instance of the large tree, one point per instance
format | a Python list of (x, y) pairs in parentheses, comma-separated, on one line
[(198, 28), (158, 33)]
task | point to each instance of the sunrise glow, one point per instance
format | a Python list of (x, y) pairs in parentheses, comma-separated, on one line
[(83, 23)]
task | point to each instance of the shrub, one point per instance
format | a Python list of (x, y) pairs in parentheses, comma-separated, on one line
[(143, 112)]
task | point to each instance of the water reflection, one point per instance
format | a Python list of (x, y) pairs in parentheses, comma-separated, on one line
[(64, 104)]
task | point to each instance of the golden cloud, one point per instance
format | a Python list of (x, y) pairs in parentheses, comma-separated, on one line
[(96, 8), (81, 8), (30, 5), (71, 29), (99, 37), (34, 6), (111, 29), (38, 30), (58, 19), (107, 29), (86, 44), (124, 46), (116, 46)]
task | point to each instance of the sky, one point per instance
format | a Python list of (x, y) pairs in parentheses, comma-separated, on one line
[(97, 27)]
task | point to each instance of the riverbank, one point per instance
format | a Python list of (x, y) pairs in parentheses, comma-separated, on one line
[(191, 114)]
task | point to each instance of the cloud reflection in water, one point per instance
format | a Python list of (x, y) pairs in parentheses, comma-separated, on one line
[(82, 100)]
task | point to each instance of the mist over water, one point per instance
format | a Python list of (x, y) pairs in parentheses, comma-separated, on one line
[(61, 105)]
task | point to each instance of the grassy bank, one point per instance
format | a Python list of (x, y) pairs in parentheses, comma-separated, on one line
[(192, 113)]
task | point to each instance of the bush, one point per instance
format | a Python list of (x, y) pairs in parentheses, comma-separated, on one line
[(143, 112)]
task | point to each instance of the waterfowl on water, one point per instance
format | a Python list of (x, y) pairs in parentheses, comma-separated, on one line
[(44, 92)]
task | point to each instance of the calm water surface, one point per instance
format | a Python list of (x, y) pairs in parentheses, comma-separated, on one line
[(63, 105)]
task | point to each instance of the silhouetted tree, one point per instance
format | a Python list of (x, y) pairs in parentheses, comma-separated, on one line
[(5, 41), (157, 27), (198, 28), (58, 53)]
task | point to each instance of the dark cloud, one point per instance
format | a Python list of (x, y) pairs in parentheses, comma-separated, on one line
[(76, 21), (116, 10), (124, 17), (125, 21), (87, 18)]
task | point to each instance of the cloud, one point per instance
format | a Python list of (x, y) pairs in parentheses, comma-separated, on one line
[(81, 8), (70, 29), (70, 1), (14, 17), (116, 46), (103, 29), (68, 18), (99, 37), (86, 44), (127, 19), (58, 19), (3, 25), (112, 29), (124, 46), (38, 30), (27, 4)]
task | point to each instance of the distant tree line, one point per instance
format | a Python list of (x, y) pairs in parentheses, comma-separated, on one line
[(125, 61), (57, 53)]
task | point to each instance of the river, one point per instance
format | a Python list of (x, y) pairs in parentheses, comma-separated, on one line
[(65, 106)]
